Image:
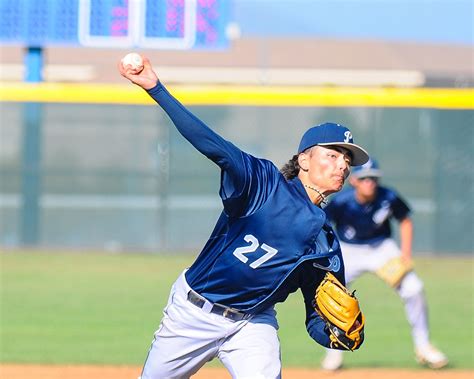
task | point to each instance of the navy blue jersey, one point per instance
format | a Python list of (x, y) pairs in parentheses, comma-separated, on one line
[(270, 239), (365, 223)]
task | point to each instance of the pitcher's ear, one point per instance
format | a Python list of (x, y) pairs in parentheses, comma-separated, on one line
[(303, 161)]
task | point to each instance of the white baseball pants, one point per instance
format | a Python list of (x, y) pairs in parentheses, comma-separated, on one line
[(369, 258), (189, 336), (359, 259)]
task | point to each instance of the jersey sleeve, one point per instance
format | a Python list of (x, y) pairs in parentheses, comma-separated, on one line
[(262, 178), (400, 207), (315, 325), (244, 179)]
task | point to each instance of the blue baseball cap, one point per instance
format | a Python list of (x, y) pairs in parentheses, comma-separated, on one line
[(331, 134), (369, 169)]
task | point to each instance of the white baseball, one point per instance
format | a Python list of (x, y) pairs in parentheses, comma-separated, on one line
[(134, 60)]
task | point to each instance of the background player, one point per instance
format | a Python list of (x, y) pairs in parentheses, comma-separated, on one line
[(361, 216), (270, 240)]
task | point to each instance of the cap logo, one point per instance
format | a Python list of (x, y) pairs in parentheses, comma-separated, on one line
[(347, 136)]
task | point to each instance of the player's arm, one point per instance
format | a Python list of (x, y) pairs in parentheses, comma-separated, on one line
[(239, 170), (406, 239), (402, 213), (315, 325), (192, 128)]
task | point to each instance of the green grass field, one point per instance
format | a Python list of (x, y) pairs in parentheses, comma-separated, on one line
[(103, 309)]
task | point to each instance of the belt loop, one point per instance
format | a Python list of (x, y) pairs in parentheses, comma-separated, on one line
[(207, 306)]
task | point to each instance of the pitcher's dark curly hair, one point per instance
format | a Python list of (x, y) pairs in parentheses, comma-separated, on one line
[(291, 168)]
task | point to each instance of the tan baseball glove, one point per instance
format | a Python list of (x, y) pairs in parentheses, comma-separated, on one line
[(394, 271), (339, 308)]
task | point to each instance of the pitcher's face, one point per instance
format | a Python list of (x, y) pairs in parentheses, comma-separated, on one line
[(327, 167)]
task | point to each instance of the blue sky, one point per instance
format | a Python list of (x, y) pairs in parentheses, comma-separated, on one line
[(436, 21)]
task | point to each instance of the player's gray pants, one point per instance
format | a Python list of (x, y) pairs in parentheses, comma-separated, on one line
[(359, 259), (188, 337), (369, 258)]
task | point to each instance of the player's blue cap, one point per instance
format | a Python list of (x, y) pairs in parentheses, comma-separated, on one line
[(369, 169), (331, 134)]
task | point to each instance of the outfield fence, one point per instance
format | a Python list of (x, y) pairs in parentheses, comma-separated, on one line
[(90, 166)]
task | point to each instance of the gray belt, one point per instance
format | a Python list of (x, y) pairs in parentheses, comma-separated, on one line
[(218, 309)]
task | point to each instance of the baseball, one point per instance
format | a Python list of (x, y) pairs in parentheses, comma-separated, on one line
[(134, 60)]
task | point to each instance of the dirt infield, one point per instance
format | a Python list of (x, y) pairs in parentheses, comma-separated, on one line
[(9, 371)]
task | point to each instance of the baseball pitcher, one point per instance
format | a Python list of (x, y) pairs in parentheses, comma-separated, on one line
[(270, 240)]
